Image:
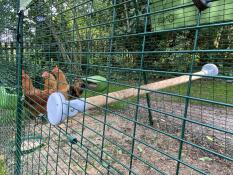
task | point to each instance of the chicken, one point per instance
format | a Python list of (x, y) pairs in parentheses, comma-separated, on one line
[(27, 85), (62, 84), (35, 99), (77, 87), (50, 83)]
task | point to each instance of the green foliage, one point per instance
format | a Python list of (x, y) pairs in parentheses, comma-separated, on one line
[(173, 61), (2, 167), (60, 28), (8, 17)]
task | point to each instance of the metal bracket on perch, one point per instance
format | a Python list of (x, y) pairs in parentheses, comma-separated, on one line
[(58, 108)]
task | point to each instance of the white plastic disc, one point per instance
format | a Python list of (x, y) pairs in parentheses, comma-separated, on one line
[(210, 69), (55, 108)]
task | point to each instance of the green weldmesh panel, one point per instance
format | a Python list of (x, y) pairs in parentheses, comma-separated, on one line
[(169, 14), (111, 47)]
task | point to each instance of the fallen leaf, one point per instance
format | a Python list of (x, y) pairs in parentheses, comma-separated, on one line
[(205, 159), (210, 138)]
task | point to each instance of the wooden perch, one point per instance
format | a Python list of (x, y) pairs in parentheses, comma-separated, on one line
[(100, 100)]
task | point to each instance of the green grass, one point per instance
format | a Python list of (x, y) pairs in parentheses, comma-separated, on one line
[(219, 91), (2, 167), (112, 88), (7, 116)]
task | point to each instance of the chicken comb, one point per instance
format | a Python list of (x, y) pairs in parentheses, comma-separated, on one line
[(55, 69), (45, 74), (23, 73)]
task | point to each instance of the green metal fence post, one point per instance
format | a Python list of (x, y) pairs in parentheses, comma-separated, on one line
[(109, 62), (141, 75), (19, 56), (148, 99), (187, 100)]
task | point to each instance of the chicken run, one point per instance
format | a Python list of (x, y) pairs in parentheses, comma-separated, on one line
[(138, 87)]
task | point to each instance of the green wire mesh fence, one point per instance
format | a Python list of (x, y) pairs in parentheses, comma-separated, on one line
[(8, 96), (105, 67)]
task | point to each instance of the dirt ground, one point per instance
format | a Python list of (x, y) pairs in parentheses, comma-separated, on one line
[(155, 148)]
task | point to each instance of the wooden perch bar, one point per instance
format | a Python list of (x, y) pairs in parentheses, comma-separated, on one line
[(100, 100)]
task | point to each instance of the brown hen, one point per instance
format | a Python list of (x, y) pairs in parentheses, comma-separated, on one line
[(35, 99), (62, 84), (50, 83)]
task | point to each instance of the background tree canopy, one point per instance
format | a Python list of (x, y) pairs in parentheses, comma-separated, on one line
[(59, 31)]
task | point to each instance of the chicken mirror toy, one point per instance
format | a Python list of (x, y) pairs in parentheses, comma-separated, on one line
[(58, 108)]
